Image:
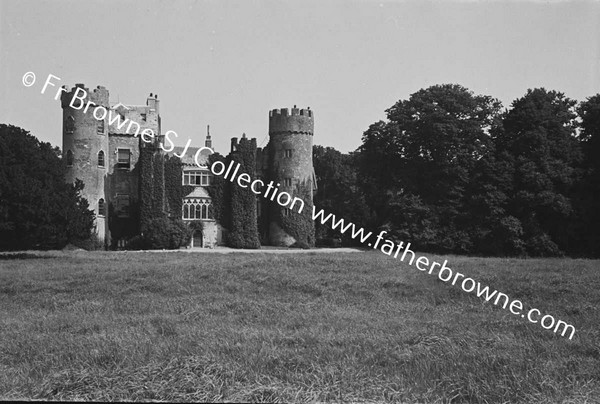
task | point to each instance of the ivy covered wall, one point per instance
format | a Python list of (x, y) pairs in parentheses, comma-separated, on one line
[(244, 227)]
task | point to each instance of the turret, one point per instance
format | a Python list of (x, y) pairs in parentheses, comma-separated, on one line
[(85, 146), (291, 166)]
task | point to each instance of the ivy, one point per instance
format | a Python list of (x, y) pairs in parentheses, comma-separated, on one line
[(175, 191), (244, 229), (220, 193), (299, 225), (145, 163)]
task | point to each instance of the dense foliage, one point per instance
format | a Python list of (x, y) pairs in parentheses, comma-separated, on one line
[(244, 231), (337, 193), (175, 191), (162, 233), (152, 185), (220, 194), (299, 225), (450, 171), (38, 209), (161, 193)]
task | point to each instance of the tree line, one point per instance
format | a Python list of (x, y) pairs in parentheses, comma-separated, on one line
[(455, 172), (448, 170)]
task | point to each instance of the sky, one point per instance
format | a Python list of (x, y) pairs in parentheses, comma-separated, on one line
[(227, 63)]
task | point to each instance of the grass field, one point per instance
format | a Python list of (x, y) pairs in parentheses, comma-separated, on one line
[(359, 327)]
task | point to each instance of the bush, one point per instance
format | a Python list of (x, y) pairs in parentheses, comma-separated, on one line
[(91, 244), (164, 233), (137, 243), (542, 245), (38, 209)]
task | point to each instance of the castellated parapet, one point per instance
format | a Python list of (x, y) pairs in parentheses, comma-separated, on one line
[(290, 166), (298, 121), (85, 141)]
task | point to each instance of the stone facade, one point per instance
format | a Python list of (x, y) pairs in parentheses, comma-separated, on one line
[(104, 154)]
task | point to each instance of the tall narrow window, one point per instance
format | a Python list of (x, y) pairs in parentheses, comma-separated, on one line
[(69, 158), (100, 127), (288, 153), (100, 158), (205, 179), (70, 125), (143, 117), (287, 182), (101, 208), (124, 159)]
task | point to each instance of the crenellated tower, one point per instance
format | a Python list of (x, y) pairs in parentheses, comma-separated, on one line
[(291, 169), (86, 147)]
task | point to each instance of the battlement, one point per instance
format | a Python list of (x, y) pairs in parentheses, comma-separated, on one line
[(235, 143), (295, 112), (295, 121), (98, 95)]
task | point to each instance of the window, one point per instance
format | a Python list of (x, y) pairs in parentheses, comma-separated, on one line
[(69, 158), (124, 158), (285, 212), (70, 125), (287, 182), (288, 153), (144, 117), (196, 178), (196, 209), (100, 127), (100, 158), (101, 208), (122, 205)]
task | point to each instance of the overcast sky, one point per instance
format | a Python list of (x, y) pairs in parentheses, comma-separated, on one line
[(228, 63)]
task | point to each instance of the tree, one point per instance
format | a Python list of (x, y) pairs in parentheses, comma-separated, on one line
[(588, 193), (538, 142), (337, 191), (38, 209), (419, 164)]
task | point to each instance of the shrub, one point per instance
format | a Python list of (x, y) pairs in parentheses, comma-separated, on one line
[(137, 243), (38, 209), (93, 243), (164, 233), (542, 245)]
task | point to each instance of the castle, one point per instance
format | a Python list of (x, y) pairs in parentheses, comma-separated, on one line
[(101, 152)]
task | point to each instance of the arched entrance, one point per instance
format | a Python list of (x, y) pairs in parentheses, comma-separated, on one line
[(197, 239)]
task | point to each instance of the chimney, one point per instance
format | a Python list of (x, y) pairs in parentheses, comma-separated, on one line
[(153, 103)]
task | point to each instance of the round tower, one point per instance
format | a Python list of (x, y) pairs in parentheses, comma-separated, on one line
[(85, 146), (291, 170)]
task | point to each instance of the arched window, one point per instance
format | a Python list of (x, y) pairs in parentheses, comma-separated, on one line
[(100, 128), (70, 125), (197, 209), (69, 158), (100, 158), (101, 207)]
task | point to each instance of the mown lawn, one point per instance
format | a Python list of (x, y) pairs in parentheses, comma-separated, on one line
[(352, 327)]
